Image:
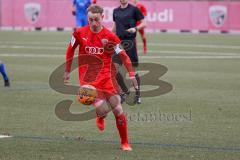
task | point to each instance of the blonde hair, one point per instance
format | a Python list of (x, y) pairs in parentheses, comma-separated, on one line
[(95, 9)]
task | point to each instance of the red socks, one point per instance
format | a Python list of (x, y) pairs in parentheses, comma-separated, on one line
[(121, 123), (144, 45)]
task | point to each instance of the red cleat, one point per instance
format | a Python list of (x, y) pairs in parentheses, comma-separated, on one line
[(100, 123), (126, 147)]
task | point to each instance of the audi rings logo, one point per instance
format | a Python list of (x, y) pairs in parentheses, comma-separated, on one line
[(94, 50)]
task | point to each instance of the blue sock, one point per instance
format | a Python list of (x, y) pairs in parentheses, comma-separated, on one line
[(3, 72)]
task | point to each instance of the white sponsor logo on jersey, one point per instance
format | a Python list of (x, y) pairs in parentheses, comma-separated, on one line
[(94, 50), (32, 12)]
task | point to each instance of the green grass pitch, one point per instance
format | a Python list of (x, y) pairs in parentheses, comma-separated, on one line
[(204, 72)]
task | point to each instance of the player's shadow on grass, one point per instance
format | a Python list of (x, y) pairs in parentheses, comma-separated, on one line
[(62, 111)]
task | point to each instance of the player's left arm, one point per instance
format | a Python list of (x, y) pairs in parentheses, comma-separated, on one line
[(127, 63)]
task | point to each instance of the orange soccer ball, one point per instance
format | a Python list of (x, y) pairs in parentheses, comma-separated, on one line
[(87, 94)]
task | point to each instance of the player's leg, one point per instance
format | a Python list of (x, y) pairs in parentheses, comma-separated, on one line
[(100, 104), (102, 109), (4, 74), (144, 40), (121, 121), (110, 88), (132, 53), (120, 79)]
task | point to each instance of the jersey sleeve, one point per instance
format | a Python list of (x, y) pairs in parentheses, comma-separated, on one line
[(110, 46), (138, 14), (116, 42), (118, 49), (115, 39), (70, 52)]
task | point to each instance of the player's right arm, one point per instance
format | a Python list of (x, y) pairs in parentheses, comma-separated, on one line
[(69, 57), (114, 23), (114, 28), (138, 17)]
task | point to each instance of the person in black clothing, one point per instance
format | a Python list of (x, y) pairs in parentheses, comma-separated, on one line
[(125, 17)]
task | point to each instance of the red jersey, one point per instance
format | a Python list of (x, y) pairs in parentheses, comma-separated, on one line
[(95, 59), (100, 47), (142, 8)]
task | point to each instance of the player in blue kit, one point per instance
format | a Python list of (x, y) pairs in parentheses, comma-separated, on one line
[(4, 74), (80, 11)]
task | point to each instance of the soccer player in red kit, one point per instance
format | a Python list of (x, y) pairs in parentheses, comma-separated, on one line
[(99, 43), (143, 9)]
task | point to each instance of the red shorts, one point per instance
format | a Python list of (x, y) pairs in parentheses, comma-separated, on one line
[(106, 86)]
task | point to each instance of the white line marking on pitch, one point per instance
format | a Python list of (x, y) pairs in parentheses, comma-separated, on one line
[(149, 51), (40, 45), (32, 47), (31, 55), (191, 52), (194, 45), (142, 57), (36, 43), (5, 136), (189, 57)]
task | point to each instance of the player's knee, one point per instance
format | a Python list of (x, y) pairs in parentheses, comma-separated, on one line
[(102, 107), (114, 100), (116, 106), (117, 110)]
